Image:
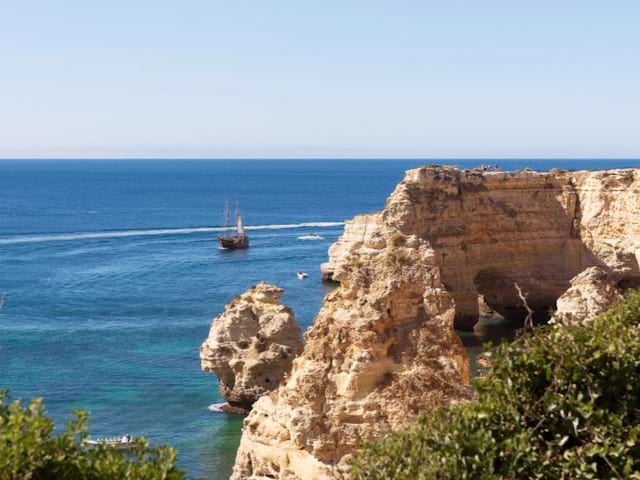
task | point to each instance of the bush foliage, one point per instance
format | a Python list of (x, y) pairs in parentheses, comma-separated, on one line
[(561, 402), (30, 451)]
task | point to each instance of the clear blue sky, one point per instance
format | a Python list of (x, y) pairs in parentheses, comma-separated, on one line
[(345, 78)]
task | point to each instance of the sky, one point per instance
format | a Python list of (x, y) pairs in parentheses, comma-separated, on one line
[(316, 79)]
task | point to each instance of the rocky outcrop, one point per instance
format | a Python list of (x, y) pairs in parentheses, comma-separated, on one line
[(490, 230), (591, 293), (360, 232), (608, 221), (251, 345), (383, 349)]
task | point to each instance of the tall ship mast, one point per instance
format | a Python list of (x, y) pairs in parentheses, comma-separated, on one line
[(230, 240)]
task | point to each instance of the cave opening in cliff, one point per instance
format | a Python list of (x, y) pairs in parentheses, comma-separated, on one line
[(501, 312)]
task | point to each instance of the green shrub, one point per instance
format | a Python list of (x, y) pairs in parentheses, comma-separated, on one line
[(30, 451), (562, 402)]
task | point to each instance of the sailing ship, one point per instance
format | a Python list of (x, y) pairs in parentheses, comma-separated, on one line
[(228, 240)]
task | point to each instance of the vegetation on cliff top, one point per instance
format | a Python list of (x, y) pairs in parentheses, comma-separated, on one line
[(30, 451), (561, 402)]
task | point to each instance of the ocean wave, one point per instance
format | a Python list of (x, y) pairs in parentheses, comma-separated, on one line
[(62, 237), (226, 408)]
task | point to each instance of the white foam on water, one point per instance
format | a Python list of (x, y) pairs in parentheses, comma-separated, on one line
[(64, 237), (217, 407), (310, 237)]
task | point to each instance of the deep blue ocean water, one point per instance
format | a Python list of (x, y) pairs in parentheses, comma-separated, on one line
[(111, 275)]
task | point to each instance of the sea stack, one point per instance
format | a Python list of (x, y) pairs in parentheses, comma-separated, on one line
[(251, 345)]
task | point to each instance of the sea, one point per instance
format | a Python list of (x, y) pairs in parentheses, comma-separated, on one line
[(110, 275)]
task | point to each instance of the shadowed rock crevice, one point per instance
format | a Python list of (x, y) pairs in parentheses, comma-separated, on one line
[(498, 291)]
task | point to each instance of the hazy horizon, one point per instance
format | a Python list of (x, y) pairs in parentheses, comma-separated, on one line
[(358, 80), (439, 161)]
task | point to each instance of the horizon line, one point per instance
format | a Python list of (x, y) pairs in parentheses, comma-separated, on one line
[(18, 159)]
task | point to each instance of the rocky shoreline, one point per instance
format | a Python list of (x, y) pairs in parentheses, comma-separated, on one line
[(449, 242)]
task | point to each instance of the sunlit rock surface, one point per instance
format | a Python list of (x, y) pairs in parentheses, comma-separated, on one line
[(591, 293), (383, 349), (251, 345), (490, 230)]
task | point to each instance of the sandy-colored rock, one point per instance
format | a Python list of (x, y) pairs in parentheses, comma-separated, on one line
[(608, 221), (251, 345), (490, 230), (360, 233), (591, 293), (381, 351)]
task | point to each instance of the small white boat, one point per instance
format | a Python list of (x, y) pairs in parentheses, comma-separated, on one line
[(126, 441), (302, 275), (311, 236)]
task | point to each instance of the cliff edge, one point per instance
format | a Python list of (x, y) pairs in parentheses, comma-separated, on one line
[(490, 230), (383, 349)]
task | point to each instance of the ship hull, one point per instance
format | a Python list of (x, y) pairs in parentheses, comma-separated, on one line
[(237, 242)]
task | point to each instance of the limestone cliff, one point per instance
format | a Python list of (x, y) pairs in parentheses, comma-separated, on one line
[(381, 351), (491, 230), (361, 231), (251, 345), (383, 348)]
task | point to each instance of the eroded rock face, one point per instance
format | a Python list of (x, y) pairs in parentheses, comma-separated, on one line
[(360, 232), (608, 221), (251, 345), (381, 351), (591, 293), (490, 230)]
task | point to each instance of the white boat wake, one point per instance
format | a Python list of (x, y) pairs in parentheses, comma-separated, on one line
[(217, 407), (311, 237), (62, 237)]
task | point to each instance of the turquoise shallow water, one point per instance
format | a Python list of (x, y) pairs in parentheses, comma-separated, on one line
[(113, 326), (111, 275)]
